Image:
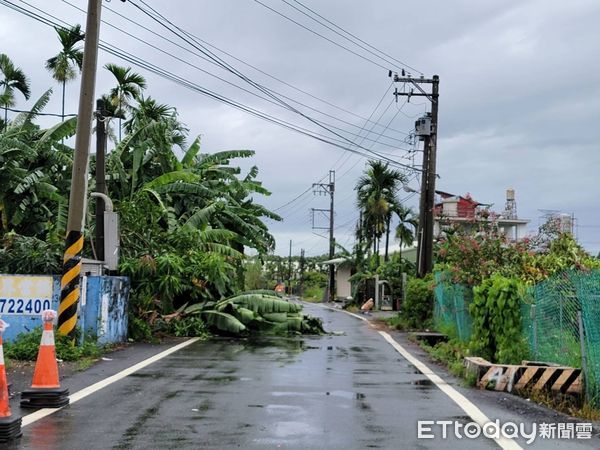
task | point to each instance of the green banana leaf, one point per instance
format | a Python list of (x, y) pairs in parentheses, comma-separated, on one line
[(223, 322)]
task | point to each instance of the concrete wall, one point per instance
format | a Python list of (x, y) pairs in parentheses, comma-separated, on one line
[(104, 306)]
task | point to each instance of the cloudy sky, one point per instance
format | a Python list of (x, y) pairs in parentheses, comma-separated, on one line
[(519, 93)]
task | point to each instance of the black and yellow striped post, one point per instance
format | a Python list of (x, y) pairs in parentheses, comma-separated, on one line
[(69, 298), (69, 284)]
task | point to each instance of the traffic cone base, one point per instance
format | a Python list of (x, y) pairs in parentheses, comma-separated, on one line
[(10, 426), (45, 389), (10, 429), (44, 398)]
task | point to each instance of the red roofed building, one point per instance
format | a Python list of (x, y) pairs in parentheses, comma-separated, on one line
[(465, 212)]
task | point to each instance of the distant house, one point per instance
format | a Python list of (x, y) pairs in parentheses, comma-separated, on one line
[(467, 213)]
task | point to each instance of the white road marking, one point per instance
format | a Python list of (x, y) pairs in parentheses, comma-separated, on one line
[(41, 413), (467, 406)]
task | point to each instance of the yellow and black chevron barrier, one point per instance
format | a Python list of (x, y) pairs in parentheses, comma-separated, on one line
[(527, 376), (69, 284)]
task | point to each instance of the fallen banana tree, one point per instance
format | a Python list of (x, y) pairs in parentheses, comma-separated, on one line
[(256, 312)]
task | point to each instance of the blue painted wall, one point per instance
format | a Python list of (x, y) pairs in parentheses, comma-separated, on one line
[(104, 312)]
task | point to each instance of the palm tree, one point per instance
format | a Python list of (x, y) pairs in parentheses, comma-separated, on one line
[(376, 193), (64, 65), (129, 86), (14, 79), (405, 231)]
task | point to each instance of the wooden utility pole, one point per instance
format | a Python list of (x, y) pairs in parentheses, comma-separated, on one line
[(70, 292), (428, 175)]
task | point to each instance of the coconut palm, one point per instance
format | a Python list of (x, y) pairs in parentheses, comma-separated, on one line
[(376, 195), (14, 79), (65, 65), (129, 87)]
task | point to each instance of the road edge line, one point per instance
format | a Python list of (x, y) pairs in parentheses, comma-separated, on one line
[(463, 403), (82, 393)]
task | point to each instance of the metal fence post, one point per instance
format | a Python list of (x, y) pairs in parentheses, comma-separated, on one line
[(583, 354), (534, 330)]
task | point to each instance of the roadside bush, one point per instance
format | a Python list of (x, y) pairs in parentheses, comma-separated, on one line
[(496, 313), (418, 304), (25, 347), (313, 293)]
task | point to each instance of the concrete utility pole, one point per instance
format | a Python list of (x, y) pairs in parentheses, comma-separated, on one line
[(328, 188), (70, 292), (290, 270), (100, 176), (302, 267), (428, 176)]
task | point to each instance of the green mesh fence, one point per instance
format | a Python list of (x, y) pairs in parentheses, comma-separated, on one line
[(552, 324), (587, 286), (551, 313), (451, 307)]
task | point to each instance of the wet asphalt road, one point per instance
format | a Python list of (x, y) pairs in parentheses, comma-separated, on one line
[(350, 391)]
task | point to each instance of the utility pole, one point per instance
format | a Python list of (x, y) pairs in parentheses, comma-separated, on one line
[(302, 266), (100, 175), (428, 175), (290, 270), (70, 292), (328, 189)]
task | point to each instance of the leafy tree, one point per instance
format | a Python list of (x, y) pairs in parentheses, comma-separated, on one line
[(65, 65), (405, 231), (14, 79), (129, 87), (376, 197), (32, 180)]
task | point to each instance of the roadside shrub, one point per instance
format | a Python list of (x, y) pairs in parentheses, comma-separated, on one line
[(418, 305), (496, 313), (25, 347)]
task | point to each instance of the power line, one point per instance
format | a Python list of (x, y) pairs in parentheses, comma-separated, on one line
[(237, 59), (231, 69), (366, 122), (349, 34), (38, 113), (320, 35), (184, 61), (345, 155), (189, 85)]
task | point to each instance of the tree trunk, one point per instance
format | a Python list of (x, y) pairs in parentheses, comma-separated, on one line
[(63, 100), (5, 117)]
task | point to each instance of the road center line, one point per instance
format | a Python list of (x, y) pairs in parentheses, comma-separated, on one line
[(44, 412), (467, 406)]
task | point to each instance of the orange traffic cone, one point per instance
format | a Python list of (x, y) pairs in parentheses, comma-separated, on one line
[(10, 427), (45, 389)]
